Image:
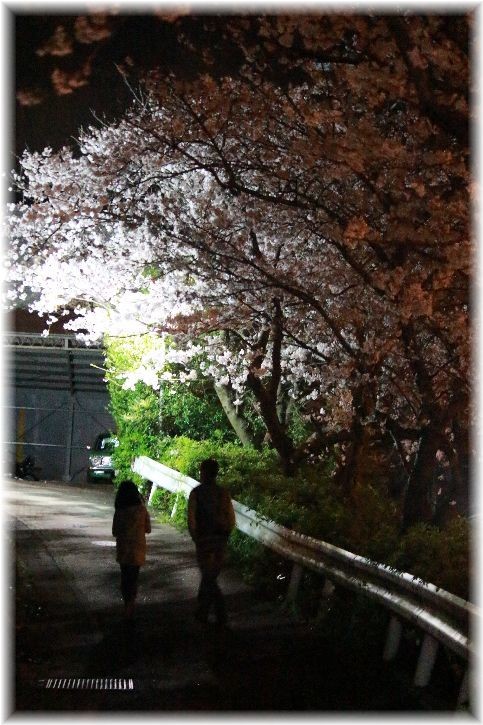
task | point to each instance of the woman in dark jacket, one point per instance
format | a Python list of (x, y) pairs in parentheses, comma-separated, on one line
[(130, 525)]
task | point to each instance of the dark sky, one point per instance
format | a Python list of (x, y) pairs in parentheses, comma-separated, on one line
[(58, 117), (148, 40)]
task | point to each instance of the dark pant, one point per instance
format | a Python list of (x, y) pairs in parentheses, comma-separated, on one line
[(209, 593), (129, 581)]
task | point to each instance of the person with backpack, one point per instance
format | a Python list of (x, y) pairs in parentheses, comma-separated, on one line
[(211, 519), (130, 525)]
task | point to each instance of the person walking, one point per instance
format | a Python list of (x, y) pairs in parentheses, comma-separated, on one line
[(211, 519), (130, 525)]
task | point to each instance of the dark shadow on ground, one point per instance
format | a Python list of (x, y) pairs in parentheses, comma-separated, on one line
[(266, 660)]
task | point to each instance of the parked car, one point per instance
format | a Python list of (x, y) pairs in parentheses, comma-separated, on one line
[(101, 466)]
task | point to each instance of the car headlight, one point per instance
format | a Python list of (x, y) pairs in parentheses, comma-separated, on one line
[(106, 461), (96, 460)]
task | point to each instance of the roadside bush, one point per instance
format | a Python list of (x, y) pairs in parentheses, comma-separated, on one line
[(171, 508), (371, 522), (195, 412), (239, 466), (136, 428), (441, 557), (260, 567), (135, 411), (162, 502), (308, 502)]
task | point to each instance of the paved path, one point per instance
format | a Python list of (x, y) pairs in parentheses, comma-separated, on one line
[(70, 613), (69, 625)]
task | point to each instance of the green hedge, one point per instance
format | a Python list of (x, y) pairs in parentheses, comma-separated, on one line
[(442, 557)]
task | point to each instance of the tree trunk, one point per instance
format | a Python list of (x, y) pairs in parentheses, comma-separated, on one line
[(345, 475), (363, 458), (358, 452), (461, 467), (284, 406), (279, 438), (417, 507), (236, 421)]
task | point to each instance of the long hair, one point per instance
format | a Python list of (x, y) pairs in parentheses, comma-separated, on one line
[(127, 495)]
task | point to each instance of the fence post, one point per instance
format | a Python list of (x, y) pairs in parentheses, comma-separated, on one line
[(393, 639), (67, 477), (295, 579), (427, 658)]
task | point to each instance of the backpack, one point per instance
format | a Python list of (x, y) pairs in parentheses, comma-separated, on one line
[(212, 518)]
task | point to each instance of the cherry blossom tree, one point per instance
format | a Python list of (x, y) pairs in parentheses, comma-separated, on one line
[(303, 237)]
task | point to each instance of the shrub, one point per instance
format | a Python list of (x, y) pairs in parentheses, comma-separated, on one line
[(194, 412), (267, 571), (163, 501), (441, 557), (242, 469), (171, 507)]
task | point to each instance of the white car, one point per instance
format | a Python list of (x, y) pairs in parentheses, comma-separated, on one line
[(101, 467)]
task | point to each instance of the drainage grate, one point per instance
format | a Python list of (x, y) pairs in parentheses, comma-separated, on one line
[(77, 683)]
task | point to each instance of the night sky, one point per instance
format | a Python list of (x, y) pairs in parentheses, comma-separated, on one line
[(57, 117), (147, 40)]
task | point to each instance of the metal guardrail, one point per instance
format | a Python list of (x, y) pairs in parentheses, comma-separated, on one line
[(444, 617)]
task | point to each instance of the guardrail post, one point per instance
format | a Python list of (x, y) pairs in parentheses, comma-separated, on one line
[(464, 693), (295, 579), (328, 589), (175, 507), (427, 658), (154, 486), (393, 639)]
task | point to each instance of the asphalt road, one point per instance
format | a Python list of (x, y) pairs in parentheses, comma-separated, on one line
[(69, 623), (72, 645)]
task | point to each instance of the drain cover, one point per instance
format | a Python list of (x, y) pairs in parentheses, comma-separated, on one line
[(93, 683)]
